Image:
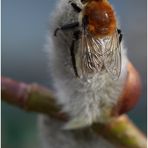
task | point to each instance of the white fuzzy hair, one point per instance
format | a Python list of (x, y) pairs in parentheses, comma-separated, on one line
[(84, 100)]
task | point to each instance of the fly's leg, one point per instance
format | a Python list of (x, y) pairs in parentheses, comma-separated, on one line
[(71, 25), (72, 53), (120, 35), (76, 8), (84, 1), (66, 27), (76, 36), (84, 22)]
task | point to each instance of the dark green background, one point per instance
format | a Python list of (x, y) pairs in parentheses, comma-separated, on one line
[(24, 27)]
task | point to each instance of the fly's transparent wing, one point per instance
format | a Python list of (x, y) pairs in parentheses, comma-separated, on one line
[(90, 54), (112, 56)]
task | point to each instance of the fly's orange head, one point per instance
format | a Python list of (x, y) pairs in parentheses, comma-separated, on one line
[(101, 18)]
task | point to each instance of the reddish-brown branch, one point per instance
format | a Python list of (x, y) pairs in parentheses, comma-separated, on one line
[(30, 97)]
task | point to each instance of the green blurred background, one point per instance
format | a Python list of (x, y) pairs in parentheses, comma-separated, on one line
[(24, 29)]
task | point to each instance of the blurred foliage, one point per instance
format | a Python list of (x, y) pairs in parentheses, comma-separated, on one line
[(19, 129)]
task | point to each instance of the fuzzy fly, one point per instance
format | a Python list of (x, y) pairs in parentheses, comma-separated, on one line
[(99, 38)]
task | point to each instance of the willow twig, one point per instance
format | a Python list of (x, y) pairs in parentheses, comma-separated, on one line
[(30, 97), (35, 98)]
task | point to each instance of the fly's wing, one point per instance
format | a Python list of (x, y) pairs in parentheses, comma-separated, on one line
[(90, 54), (112, 56)]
